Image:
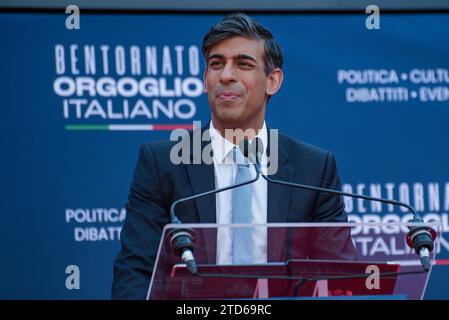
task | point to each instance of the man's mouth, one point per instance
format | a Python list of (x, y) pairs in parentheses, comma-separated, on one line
[(228, 96)]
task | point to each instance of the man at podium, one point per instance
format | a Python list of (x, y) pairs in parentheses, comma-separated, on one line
[(243, 72)]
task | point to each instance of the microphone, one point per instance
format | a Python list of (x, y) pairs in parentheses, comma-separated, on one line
[(250, 151), (182, 239), (419, 238)]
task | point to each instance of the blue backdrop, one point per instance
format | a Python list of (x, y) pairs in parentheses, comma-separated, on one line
[(76, 105)]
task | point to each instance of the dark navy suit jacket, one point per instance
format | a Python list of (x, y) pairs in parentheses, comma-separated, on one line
[(157, 182)]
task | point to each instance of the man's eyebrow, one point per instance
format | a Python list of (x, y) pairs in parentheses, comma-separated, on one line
[(216, 56), (239, 56), (245, 56)]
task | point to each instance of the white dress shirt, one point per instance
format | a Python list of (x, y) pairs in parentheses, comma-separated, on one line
[(225, 170)]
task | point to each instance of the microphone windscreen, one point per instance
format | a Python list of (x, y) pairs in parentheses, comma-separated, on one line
[(245, 146), (257, 147)]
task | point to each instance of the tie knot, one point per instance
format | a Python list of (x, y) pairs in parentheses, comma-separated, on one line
[(238, 157)]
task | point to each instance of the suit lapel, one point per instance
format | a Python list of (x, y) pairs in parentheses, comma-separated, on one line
[(279, 196), (202, 179), (278, 205)]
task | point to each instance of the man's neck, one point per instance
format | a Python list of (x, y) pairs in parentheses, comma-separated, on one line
[(235, 134)]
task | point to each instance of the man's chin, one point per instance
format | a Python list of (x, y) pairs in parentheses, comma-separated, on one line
[(232, 114), (230, 123)]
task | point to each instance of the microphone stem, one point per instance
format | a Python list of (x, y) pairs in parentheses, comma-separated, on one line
[(173, 217), (417, 217)]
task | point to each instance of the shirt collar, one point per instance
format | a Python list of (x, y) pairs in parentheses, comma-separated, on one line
[(222, 147)]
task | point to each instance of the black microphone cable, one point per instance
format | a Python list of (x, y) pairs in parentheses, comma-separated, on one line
[(419, 238)]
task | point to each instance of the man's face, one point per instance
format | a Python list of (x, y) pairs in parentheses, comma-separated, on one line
[(236, 83)]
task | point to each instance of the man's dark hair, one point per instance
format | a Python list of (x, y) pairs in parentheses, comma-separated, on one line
[(239, 24)]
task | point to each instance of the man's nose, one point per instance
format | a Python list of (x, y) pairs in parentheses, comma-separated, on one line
[(228, 74)]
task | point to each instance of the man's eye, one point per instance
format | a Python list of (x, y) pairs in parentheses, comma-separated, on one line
[(244, 64), (214, 63)]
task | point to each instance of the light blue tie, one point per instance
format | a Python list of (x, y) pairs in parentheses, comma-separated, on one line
[(242, 211)]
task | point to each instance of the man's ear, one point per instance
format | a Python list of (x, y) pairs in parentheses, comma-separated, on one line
[(204, 81), (274, 81)]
